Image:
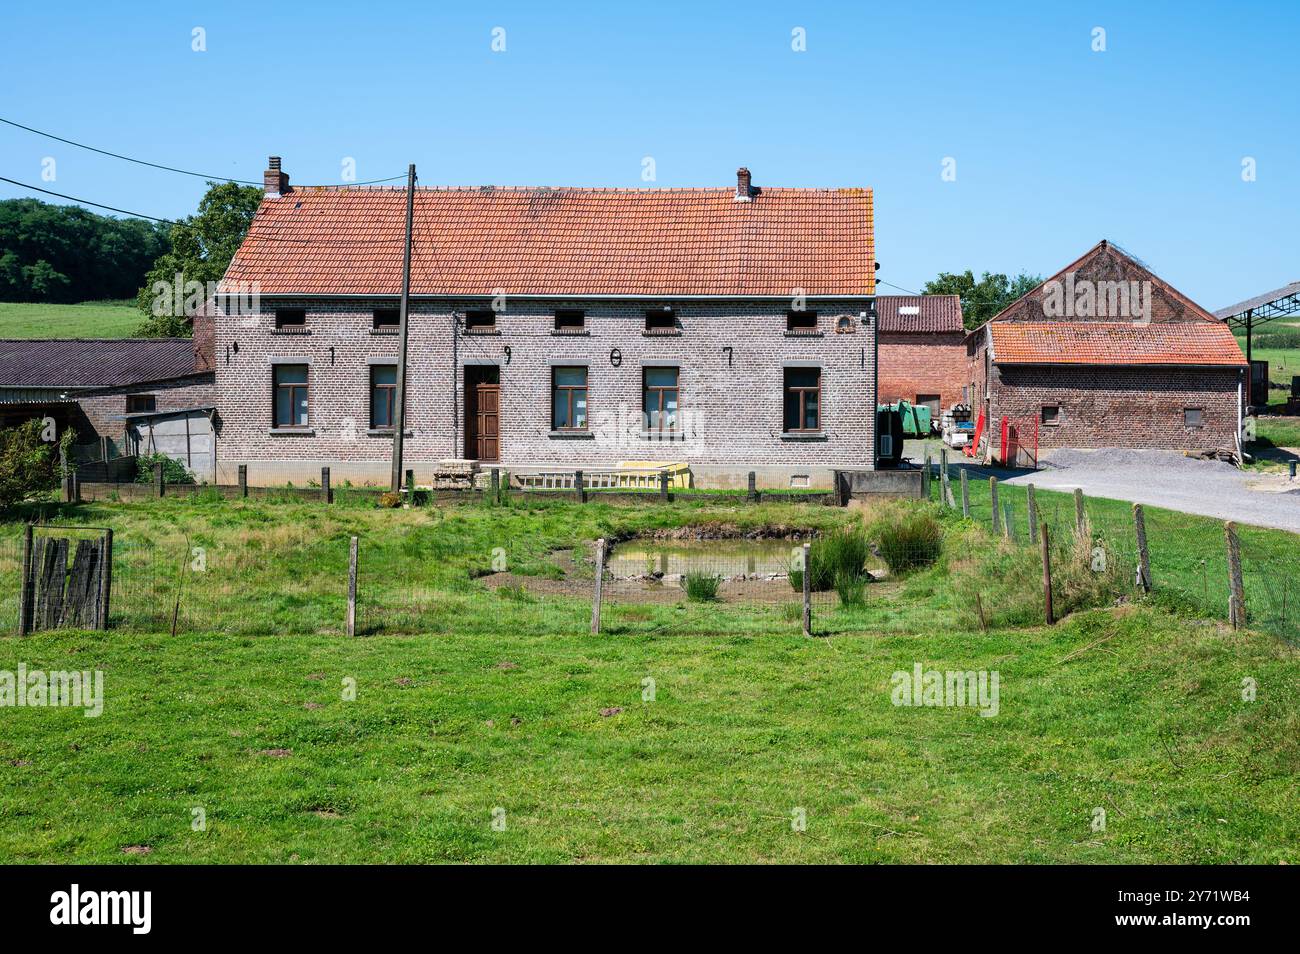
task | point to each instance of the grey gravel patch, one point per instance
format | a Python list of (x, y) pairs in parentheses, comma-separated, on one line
[(1160, 478)]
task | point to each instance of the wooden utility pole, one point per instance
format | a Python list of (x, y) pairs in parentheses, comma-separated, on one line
[(403, 321)]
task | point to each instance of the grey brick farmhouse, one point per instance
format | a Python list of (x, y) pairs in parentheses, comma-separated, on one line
[(730, 330)]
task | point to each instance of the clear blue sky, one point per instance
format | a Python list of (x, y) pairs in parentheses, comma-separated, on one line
[(1056, 146)]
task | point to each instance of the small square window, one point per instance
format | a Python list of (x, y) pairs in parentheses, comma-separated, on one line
[(291, 317), (1193, 417), (478, 322), (140, 403), (1051, 414), (801, 322), (661, 322), (570, 320), (387, 318)]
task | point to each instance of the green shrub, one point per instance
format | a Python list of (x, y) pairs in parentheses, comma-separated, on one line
[(701, 587), (28, 464), (840, 553), (908, 539), (174, 471)]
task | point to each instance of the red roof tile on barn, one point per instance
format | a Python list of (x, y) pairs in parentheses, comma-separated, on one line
[(907, 314), (1114, 343), (1176, 330), (561, 241)]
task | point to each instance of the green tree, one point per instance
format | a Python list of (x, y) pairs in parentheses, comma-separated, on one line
[(64, 253), (981, 300), (202, 245)]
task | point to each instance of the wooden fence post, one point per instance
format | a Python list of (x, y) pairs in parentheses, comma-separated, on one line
[(945, 481), (997, 514), (1080, 514), (1237, 591), (1144, 557), (160, 486), (1031, 502), (410, 485), (326, 492), (600, 577), (28, 591), (753, 487), (1008, 521), (243, 480), (1047, 577), (663, 486), (578, 487), (965, 494), (925, 479), (807, 590), (352, 587), (76, 487), (105, 579), (495, 485)]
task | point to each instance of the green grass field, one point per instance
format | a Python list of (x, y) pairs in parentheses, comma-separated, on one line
[(506, 711), (96, 319)]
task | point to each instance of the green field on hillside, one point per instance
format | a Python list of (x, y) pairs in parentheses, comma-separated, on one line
[(501, 730), (92, 319)]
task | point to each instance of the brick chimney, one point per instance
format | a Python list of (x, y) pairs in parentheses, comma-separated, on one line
[(275, 182), (743, 191)]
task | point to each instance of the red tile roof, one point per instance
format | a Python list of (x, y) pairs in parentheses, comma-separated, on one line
[(919, 313), (1179, 332), (1114, 343), (348, 241)]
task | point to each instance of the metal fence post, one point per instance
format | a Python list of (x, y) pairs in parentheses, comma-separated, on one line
[(807, 590), (965, 494), (25, 596), (105, 578), (1031, 502), (1237, 591), (1144, 557), (243, 480), (352, 586), (997, 514), (326, 492), (600, 576)]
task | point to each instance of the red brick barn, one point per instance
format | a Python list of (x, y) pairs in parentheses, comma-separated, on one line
[(1105, 354), (922, 350)]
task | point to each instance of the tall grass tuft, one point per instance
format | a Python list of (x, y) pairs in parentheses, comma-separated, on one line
[(841, 553), (701, 587), (908, 539)]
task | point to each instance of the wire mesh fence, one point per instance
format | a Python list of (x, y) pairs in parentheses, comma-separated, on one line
[(292, 576)]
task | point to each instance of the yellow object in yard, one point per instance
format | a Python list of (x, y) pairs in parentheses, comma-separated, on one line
[(645, 473)]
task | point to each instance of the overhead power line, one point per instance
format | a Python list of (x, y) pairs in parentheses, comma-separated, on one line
[(157, 165)]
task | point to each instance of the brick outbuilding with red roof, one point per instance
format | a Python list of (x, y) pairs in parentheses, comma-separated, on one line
[(1106, 354), (553, 329), (922, 350)]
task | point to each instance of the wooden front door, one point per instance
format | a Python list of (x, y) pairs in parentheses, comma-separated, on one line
[(483, 415)]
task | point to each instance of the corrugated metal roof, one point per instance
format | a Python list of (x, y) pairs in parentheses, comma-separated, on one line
[(1259, 301), (93, 362)]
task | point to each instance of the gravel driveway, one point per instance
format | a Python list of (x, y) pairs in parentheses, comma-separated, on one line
[(1170, 480)]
